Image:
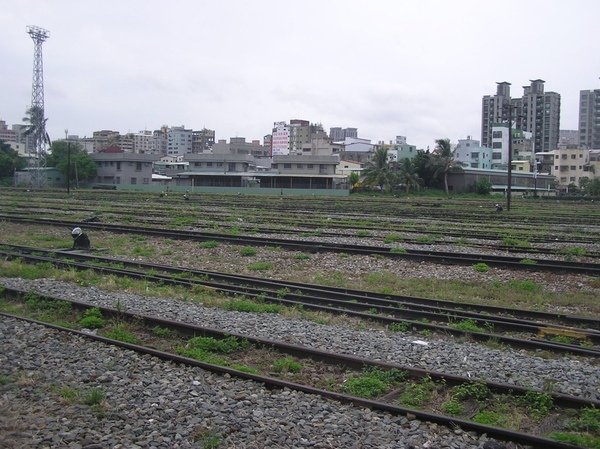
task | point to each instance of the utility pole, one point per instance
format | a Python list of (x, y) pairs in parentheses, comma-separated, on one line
[(509, 177), (68, 161)]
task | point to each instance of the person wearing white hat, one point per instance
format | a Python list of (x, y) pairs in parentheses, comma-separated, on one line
[(80, 239)]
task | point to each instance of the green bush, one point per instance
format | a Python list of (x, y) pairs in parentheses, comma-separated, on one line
[(481, 267), (247, 251), (483, 187), (92, 319), (287, 365), (209, 244)]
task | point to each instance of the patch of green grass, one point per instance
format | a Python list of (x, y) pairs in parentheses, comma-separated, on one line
[(398, 250), (527, 261), (144, 251), (248, 251), (224, 345), (476, 390), (416, 394), (481, 267), (182, 221), (453, 407), (391, 238), (162, 332), (287, 365), (516, 243), (578, 440), (373, 382), (209, 244), (283, 292), (564, 339), (574, 251), (302, 256), (425, 239), (525, 285), (491, 418), (538, 404), (68, 394), (587, 421), (122, 333), (260, 266), (246, 305), (468, 325), (94, 397), (5, 380), (362, 233), (92, 319), (399, 327), (207, 439)]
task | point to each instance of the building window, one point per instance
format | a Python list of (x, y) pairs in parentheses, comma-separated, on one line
[(209, 164), (219, 164), (118, 165), (572, 167), (300, 166), (231, 166), (496, 144), (309, 166), (497, 135), (133, 180), (138, 166), (287, 165), (496, 156), (273, 165), (573, 156), (572, 179)]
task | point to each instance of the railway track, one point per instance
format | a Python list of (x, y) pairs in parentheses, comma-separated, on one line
[(518, 328), (385, 401), (311, 246), (347, 221), (310, 229)]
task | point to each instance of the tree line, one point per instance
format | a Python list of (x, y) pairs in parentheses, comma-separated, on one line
[(426, 169)]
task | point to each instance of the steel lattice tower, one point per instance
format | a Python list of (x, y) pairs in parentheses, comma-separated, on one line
[(37, 117)]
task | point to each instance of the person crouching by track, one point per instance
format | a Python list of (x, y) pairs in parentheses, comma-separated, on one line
[(80, 239)]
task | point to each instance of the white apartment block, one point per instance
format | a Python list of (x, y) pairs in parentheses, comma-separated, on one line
[(570, 165), (179, 141), (469, 153)]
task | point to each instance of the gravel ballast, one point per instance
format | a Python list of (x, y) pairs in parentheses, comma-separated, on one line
[(149, 403), (565, 374)]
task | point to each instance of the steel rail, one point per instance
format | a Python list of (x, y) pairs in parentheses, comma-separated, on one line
[(274, 383), (299, 245), (316, 304), (301, 290), (393, 227)]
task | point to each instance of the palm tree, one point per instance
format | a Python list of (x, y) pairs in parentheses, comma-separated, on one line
[(442, 161), (408, 175), (36, 128), (377, 170)]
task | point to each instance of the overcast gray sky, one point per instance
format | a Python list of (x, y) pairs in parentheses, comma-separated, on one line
[(395, 67)]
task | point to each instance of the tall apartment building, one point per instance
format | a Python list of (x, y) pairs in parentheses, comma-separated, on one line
[(203, 140), (537, 112), (179, 141), (104, 139), (339, 134), (589, 119), (494, 109)]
